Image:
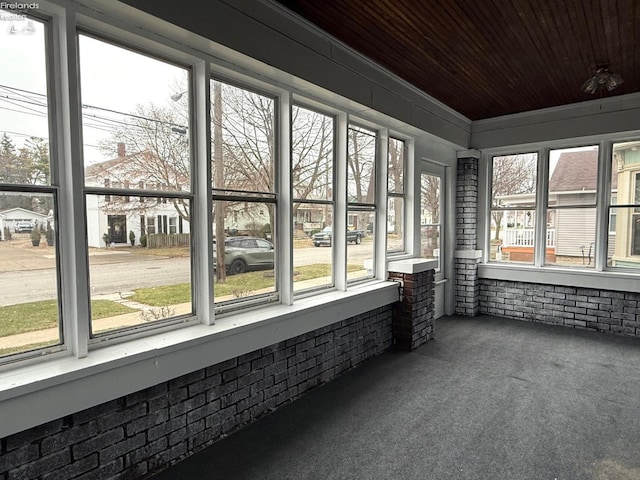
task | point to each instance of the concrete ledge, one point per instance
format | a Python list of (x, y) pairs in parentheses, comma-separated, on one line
[(468, 154), (412, 265), (469, 254)]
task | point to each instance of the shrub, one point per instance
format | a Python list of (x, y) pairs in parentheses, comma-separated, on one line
[(49, 235), (7, 233), (143, 240)]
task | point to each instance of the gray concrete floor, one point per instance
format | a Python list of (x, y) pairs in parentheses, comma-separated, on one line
[(488, 399)]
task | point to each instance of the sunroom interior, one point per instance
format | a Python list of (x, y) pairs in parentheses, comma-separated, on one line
[(208, 210)]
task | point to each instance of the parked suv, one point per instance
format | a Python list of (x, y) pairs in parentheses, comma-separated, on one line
[(23, 227), (242, 254), (324, 237)]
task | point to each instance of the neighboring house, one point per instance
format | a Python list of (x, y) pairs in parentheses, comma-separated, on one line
[(310, 218), (625, 222), (571, 231), (116, 216), (12, 216)]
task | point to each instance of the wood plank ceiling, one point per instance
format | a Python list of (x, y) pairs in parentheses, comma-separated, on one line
[(491, 57)]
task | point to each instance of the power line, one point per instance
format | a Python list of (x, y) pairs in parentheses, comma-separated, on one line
[(94, 107), (23, 112)]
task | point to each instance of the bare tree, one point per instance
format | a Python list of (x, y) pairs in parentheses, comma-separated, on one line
[(151, 152), (312, 155), (361, 165), (430, 196), (395, 169)]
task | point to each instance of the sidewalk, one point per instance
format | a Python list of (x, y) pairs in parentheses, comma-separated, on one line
[(51, 335)]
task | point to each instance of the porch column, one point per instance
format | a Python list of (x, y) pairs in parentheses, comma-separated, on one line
[(467, 284), (413, 316)]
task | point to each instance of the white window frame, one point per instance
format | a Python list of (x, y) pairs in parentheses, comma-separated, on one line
[(616, 279), (272, 198), (48, 20), (142, 359), (402, 195), (331, 203)]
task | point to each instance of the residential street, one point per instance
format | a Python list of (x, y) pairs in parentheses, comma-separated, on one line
[(32, 277)]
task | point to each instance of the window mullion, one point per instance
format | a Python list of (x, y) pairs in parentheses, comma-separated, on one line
[(485, 166), (603, 200), (74, 262), (340, 195), (542, 197), (381, 183), (410, 196), (284, 223), (202, 206)]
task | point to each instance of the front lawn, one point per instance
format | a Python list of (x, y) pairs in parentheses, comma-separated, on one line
[(33, 316), (235, 285)]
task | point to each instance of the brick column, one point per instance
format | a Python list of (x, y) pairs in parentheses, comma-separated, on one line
[(467, 284), (413, 316)]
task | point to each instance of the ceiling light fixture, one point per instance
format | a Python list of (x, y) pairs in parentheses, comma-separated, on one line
[(602, 78)]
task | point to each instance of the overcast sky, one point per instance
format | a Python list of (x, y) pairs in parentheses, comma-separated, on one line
[(112, 78)]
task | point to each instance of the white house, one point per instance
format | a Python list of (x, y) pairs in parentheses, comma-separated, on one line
[(9, 218), (117, 215)]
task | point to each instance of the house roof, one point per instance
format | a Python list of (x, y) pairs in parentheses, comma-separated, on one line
[(98, 169), (30, 212), (575, 171)]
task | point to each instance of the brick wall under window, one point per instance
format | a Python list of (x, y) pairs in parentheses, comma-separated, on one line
[(148, 430), (593, 309)]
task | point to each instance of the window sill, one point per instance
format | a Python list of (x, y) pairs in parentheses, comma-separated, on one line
[(570, 277), (67, 385)]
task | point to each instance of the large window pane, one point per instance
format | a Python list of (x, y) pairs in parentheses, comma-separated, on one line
[(135, 128), (361, 179), (396, 196), (312, 179), (571, 230), (243, 168), (624, 222), (396, 162), (28, 273), (395, 224), (571, 236), (139, 272), (242, 139), (312, 246), (24, 143), (29, 302), (312, 140), (573, 176), (135, 116), (248, 261), (360, 244), (361, 166), (513, 186), (513, 236), (430, 208)]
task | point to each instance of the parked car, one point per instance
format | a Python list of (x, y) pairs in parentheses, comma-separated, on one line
[(242, 254), (23, 227), (324, 237)]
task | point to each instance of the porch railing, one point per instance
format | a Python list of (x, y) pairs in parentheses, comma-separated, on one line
[(524, 237)]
